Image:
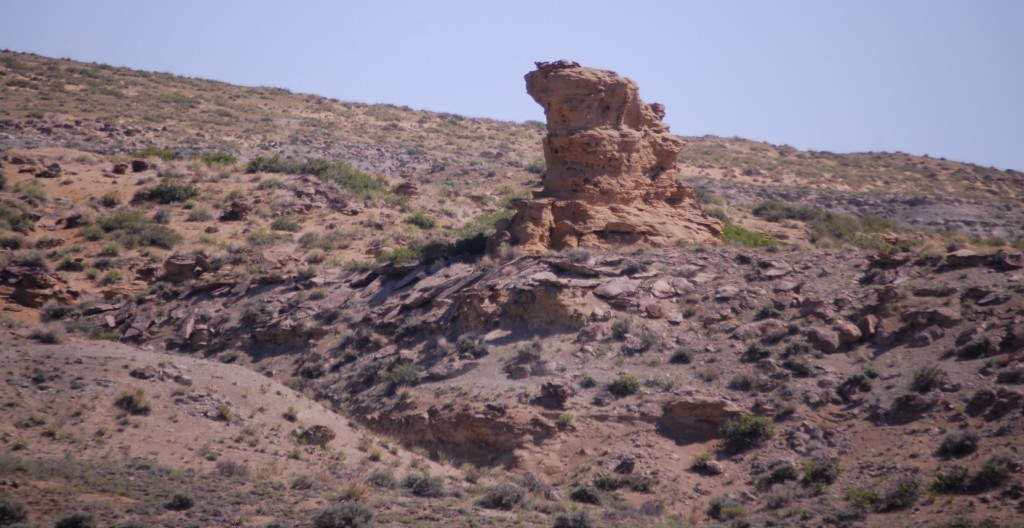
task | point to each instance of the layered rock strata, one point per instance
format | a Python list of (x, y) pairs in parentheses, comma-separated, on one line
[(611, 168)]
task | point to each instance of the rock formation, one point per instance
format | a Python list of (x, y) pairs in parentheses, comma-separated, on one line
[(611, 168)]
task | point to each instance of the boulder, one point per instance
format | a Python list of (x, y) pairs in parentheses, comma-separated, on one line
[(943, 316), (556, 393), (695, 419), (823, 339), (911, 406), (617, 287), (848, 332), (235, 211), (407, 189), (144, 373), (179, 268), (965, 258), (140, 165), (53, 170)]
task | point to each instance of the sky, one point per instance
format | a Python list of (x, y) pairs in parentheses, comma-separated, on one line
[(937, 77)]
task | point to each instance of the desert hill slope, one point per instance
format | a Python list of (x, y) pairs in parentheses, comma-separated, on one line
[(122, 110), (850, 354)]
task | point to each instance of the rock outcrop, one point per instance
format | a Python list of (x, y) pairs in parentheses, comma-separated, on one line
[(611, 168)]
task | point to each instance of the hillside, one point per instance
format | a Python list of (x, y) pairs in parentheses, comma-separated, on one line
[(195, 275), (104, 109)]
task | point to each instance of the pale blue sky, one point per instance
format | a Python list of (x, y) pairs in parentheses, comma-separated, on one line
[(937, 77)]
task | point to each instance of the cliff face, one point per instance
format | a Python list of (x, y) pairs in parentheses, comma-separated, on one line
[(611, 168)]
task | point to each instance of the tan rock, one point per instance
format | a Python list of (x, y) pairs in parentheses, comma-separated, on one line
[(695, 419), (611, 168)]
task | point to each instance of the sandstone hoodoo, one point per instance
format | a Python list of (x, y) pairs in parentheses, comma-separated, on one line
[(611, 173)]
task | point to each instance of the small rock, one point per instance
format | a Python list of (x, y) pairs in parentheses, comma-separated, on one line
[(140, 165), (823, 339), (319, 435), (144, 373)]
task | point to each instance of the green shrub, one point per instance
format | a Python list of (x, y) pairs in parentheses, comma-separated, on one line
[(461, 249), (268, 183), (927, 378), (162, 216), (954, 479), (621, 326), (862, 500), (624, 385), (155, 152), (821, 472), (536, 166), (54, 310), (168, 191), (636, 482), (302, 482), (724, 508), (775, 211), (31, 258), (324, 242), (682, 356), (781, 473), (180, 502), (852, 384), (352, 514), (746, 432), (340, 173), (135, 402), (262, 238), (504, 496), (958, 444), (401, 256), (421, 220), (585, 495), (482, 224), (992, 474), (49, 334), (576, 519), (12, 512), (110, 200), (111, 249), (903, 496), (16, 217), (32, 189), (742, 382), (382, 478), (76, 520), (232, 469), (957, 479), (13, 241), (286, 223), (111, 277), (403, 374), (824, 226), (266, 164), (717, 212), (424, 485), (133, 228), (735, 234), (215, 158), (199, 213)]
